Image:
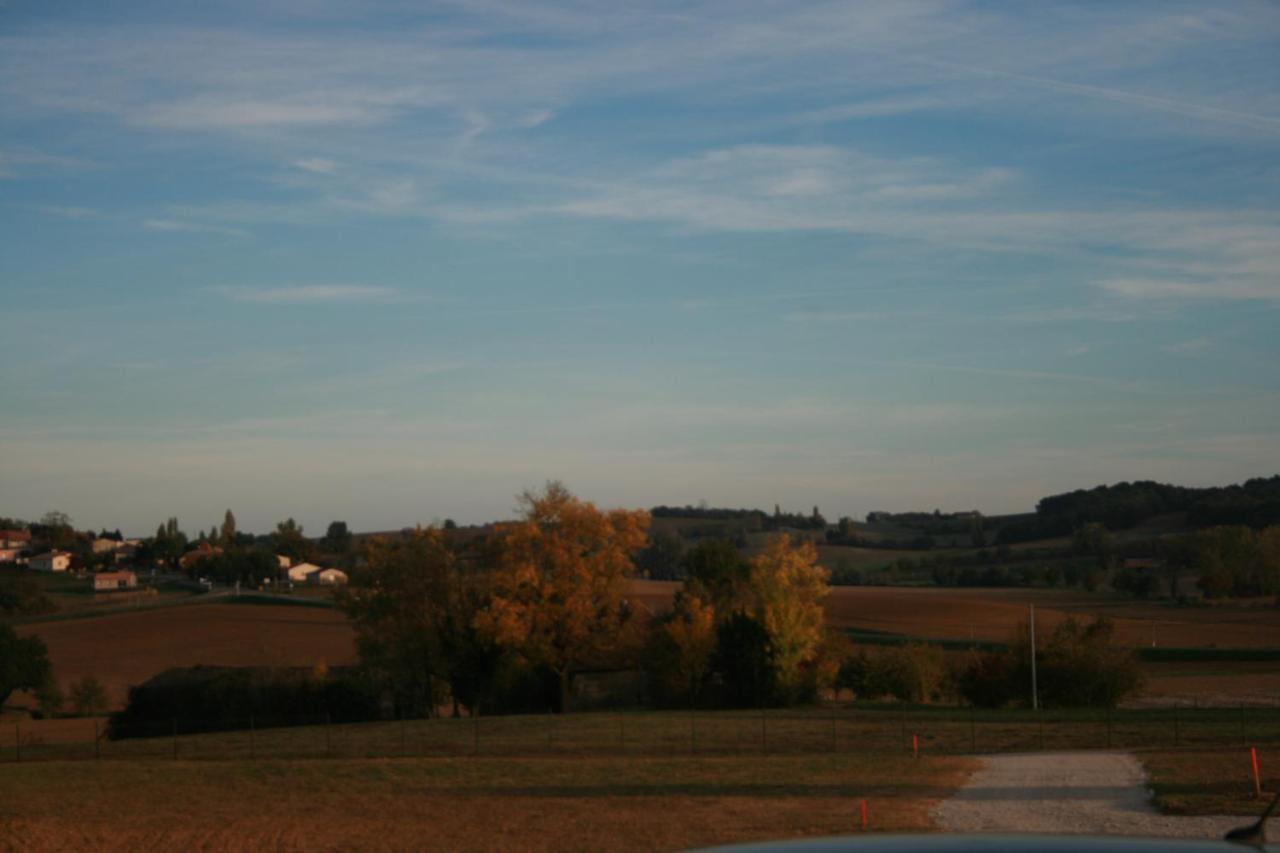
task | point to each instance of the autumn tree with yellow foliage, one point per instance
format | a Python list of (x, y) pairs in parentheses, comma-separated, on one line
[(788, 588), (559, 581), (681, 648)]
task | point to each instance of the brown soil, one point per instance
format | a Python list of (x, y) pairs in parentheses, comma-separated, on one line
[(992, 614), (128, 648)]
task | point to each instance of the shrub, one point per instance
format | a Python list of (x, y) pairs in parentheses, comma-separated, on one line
[(215, 698), (986, 680), (743, 671), (88, 697), (49, 697), (916, 672)]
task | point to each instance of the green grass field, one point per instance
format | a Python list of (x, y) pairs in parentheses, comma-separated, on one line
[(1218, 781), (613, 803), (874, 730)]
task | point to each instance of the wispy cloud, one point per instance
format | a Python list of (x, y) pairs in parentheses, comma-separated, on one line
[(1171, 289), (316, 165), (183, 227), (312, 294), (70, 212), (16, 162), (1191, 346)]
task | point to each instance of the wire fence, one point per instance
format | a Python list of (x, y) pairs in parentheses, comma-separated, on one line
[(952, 731)]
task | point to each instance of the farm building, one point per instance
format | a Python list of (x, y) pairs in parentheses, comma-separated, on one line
[(111, 581), (302, 572), (285, 562), (53, 561), (8, 555), (102, 546), (328, 577), (15, 539)]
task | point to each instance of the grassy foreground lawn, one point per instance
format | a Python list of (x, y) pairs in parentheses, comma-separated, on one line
[(1220, 781), (580, 803)]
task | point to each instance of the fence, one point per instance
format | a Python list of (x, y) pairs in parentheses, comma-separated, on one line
[(709, 733)]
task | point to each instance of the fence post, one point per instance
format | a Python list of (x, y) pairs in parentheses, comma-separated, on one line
[(764, 733), (1108, 728), (693, 731), (1040, 721), (1257, 780)]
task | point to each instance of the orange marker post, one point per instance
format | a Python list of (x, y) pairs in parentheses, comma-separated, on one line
[(1257, 780), (864, 815), (915, 746)]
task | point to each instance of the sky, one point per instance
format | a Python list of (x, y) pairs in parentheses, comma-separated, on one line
[(393, 263)]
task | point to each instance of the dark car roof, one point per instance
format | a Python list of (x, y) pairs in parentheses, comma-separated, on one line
[(993, 844)]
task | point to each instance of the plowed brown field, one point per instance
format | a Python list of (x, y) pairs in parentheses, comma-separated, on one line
[(124, 649), (992, 614)]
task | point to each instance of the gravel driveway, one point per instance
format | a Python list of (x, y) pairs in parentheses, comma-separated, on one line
[(1102, 793)]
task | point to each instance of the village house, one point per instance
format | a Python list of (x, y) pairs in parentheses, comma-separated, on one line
[(8, 555), (102, 546), (285, 562), (328, 577), (16, 539), (301, 573), (53, 561), (112, 581)]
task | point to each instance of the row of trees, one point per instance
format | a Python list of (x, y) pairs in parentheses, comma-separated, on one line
[(502, 623)]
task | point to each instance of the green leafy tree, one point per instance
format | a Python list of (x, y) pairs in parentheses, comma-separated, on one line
[(228, 528), (742, 665), (49, 697), (88, 697), (717, 573), (413, 609), (24, 662), (290, 542), (337, 539)]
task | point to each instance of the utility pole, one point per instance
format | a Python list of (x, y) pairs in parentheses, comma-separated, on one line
[(1035, 696)]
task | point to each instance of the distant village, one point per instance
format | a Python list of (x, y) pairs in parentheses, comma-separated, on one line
[(110, 563)]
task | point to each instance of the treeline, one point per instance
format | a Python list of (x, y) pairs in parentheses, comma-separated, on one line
[(1254, 503), (752, 519)]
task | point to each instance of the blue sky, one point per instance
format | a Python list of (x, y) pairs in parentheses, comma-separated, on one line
[(393, 263)]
